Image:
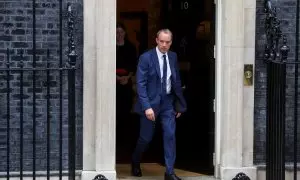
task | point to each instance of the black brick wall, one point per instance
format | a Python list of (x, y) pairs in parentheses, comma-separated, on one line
[(287, 15), (16, 34)]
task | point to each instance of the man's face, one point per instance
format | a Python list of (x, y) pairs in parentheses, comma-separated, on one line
[(164, 42)]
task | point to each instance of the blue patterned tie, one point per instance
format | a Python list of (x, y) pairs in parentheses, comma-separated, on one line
[(164, 80)]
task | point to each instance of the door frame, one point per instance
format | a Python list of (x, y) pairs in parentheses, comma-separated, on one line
[(218, 87), (234, 103)]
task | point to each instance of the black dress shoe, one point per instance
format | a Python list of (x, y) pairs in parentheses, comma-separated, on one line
[(136, 170), (171, 177)]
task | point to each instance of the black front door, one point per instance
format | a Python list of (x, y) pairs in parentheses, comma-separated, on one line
[(193, 28)]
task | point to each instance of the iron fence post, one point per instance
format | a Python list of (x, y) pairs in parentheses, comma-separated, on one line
[(71, 95), (276, 59)]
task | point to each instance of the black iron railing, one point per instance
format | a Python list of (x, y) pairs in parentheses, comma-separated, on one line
[(71, 88), (276, 58), (276, 84), (61, 72)]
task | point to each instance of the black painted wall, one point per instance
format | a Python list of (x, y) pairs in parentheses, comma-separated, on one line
[(287, 15), (16, 34)]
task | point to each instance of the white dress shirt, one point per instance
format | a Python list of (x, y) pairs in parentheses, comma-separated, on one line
[(161, 64)]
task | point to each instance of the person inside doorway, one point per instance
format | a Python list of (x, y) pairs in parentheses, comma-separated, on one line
[(126, 66), (159, 96)]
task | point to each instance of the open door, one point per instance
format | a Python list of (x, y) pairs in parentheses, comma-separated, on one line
[(192, 23)]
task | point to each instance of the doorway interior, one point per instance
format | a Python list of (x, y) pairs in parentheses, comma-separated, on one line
[(193, 27)]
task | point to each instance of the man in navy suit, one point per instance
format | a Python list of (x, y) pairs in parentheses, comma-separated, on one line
[(159, 96)]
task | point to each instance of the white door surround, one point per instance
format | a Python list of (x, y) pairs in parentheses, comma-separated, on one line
[(234, 131), (235, 47)]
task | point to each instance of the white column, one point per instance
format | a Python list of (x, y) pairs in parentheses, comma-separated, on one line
[(233, 63), (99, 89), (233, 101), (219, 88), (249, 58), (89, 88)]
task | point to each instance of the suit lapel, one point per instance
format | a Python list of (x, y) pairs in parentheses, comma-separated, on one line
[(156, 62), (172, 66)]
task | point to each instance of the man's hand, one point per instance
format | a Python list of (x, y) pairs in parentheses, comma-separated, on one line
[(150, 114), (178, 115)]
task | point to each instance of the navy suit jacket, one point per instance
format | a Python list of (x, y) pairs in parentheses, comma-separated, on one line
[(148, 83)]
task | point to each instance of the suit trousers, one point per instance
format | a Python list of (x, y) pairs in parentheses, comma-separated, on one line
[(166, 115)]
